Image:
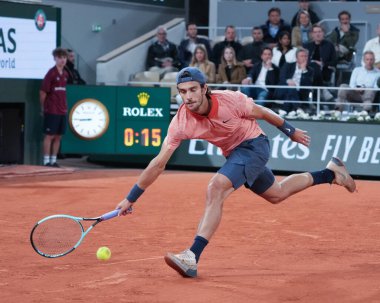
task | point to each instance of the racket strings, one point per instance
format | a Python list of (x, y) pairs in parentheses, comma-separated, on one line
[(57, 236)]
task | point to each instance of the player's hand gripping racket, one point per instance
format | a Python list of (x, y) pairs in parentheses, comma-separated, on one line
[(58, 235)]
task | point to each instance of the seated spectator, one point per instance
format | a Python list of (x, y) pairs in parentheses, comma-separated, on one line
[(162, 54), (301, 33), (262, 73), (374, 46), (304, 5), (274, 26), (296, 74), (322, 56), (229, 40), (230, 71), (344, 37), (74, 76), (251, 53), (200, 60), (362, 77), (284, 52), (187, 46)]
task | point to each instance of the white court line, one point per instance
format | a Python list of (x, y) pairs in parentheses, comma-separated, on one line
[(301, 234), (136, 260)]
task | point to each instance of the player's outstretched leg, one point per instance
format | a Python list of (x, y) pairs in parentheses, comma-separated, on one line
[(335, 172)]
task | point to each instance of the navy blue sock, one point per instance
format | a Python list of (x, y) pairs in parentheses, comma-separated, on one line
[(198, 246), (323, 176)]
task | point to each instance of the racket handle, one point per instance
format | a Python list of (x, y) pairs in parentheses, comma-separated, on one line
[(112, 214)]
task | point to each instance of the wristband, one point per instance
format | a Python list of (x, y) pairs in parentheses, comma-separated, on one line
[(135, 193), (287, 129)]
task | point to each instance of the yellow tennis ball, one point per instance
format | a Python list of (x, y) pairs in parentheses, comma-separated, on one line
[(103, 253)]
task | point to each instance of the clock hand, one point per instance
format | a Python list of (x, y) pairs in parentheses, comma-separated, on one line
[(87, 119)]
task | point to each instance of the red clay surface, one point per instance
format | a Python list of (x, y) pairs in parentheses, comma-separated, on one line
[(321, 245)]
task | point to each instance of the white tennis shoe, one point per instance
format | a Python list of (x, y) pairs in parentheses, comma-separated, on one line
[(342, 176), (184, 263)]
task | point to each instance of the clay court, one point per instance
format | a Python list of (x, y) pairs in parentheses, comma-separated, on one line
[(321, 245)]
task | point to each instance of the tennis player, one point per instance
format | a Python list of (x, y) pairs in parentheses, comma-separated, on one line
[(228, 119)]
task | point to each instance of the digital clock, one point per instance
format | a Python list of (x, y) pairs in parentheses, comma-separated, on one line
[(145, 137)]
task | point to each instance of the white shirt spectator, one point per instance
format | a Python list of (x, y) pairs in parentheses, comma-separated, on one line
[(261, 78), (373, 45), (362, 77)]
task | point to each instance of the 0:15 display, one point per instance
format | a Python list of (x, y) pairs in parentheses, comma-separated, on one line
[(146, 137)]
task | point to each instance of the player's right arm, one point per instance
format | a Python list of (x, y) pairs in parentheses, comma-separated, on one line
[(149, 175)]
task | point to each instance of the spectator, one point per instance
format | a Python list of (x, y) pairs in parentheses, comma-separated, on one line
[(274, 26), (251, 53), (230, 71), (54, 107), (301, 33), (374, 46), (322, 56), (162, 54), (296, 74), (284, 51), (344, 37), (362, 77), (74, 76), (262, 73), (200, 60), (229, 40), (187, 46), (304, 5)]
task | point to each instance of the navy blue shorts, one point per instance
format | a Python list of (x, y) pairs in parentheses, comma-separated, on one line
[(246, 165), (54, 124)]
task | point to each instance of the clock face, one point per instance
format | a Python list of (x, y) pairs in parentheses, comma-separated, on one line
[(89, 119)]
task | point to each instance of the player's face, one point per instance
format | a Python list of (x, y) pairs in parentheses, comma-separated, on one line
[(193, 95)]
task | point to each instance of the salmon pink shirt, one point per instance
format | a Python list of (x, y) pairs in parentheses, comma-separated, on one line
[(226, 126)]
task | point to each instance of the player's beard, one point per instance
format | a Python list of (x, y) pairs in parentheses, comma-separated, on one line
[(196, 105)]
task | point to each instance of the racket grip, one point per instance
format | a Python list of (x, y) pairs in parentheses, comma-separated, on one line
[(112, 214)]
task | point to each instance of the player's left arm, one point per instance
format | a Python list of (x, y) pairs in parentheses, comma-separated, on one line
[(296, 134)]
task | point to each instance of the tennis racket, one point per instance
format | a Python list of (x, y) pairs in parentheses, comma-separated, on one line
[(58, 235)]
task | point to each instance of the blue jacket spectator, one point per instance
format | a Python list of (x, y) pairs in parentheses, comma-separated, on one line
[(187, 46), (274, 26)]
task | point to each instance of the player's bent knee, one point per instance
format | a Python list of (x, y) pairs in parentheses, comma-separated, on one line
[(274, 199), (218, 189)]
